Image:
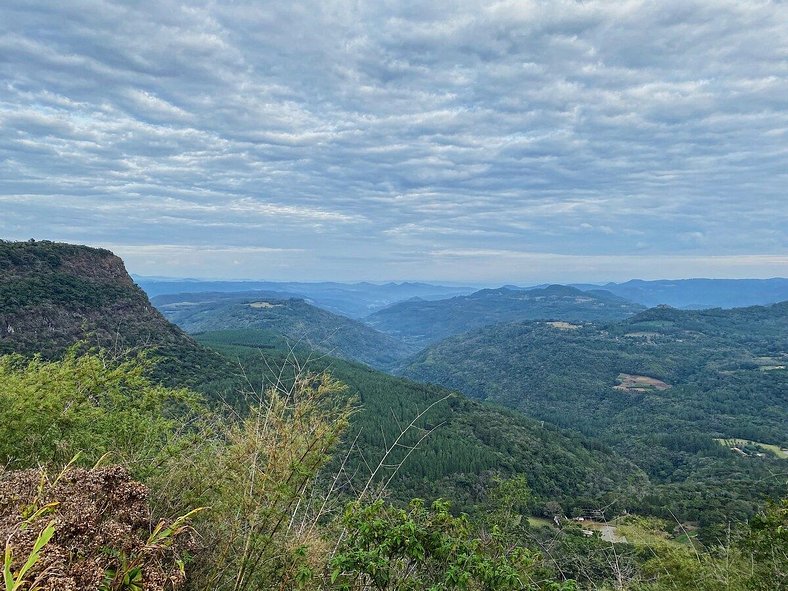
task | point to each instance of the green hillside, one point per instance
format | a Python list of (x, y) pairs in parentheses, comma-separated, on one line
[(421, 322), (300, 322), (659, 387), (471, 442)]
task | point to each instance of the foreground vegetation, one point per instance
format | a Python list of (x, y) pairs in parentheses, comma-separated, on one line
[(252, 500)]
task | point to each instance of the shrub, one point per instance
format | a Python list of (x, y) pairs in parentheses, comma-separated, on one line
[(422, 547), (257, 475), (51, 410)]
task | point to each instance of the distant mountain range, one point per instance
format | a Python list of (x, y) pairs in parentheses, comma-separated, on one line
[(401, 329), (358, 300), (354, 300), (420, 322), (699, 293)]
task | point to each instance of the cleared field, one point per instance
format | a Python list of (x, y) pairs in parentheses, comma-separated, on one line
[(738, 444), (560, 325), (264, 305), (644, 532), (635, 383), (540, 522), (608, 532), (648, 532)]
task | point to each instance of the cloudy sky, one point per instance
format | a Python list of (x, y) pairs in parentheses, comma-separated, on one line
[(520, 141)]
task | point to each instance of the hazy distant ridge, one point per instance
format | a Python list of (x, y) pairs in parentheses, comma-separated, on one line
[(355, 300), (699, 293)]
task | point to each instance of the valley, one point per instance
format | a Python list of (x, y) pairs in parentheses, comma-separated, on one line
[(609, 427), (420, 323)]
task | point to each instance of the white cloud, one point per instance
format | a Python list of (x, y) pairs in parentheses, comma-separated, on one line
[(398, 131)]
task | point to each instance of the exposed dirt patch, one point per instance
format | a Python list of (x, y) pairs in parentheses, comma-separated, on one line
[(772, 363), (635, 383), (102, 530), (264, 305)]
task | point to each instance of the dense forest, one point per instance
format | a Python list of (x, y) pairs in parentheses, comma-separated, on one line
[(665, 388), (462, 445)]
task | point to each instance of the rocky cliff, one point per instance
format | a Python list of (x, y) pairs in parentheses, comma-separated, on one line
[(53, 295)]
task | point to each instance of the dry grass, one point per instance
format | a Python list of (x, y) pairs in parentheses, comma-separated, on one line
[(102, 530)]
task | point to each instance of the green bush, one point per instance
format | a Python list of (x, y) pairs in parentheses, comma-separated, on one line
[(51, 410), (422, 547)]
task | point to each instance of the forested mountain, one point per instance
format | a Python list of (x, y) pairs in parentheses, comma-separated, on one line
[(354, 300), (421, 322), (660, 387), (293, 318), (53, 295), (700, 293)]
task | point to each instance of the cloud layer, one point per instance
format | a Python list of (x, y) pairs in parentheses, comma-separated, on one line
[(512, 141)]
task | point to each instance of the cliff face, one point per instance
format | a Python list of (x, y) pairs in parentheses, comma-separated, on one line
[(53, 295)]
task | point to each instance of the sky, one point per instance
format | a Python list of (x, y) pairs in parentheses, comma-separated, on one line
[(510, 142)]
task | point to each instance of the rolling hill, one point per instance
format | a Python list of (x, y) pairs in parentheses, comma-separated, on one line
[(471, 442), (527, 364), (661, 387), (421, 322), (293, 318)]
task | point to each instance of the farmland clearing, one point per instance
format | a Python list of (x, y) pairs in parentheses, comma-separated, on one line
[(639, 384), (743, 447)]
